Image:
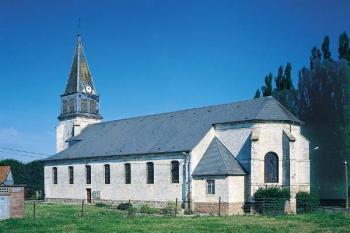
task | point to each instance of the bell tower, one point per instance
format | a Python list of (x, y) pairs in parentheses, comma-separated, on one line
[(79, 102)]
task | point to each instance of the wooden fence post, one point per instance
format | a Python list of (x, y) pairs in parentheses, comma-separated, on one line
[(34, 210), (175, 207), (82, 209), (219, 206)]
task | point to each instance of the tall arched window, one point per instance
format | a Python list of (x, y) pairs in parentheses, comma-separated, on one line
[(107, 174), (54, 174), (127, 173), (175, 171), (271, 168), (150, 173)]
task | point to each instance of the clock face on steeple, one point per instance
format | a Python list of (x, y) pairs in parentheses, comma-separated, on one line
[(88, 89)]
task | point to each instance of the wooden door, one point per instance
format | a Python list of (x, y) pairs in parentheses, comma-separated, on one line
[(88, 195)]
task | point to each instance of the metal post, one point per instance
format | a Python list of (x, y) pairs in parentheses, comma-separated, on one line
[(34, 210), (219, 206), (346, 185), (82, 209), (175, 207)]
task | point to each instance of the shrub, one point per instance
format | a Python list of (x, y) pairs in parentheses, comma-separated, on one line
[(145, 208), (307, 202), (132, 212), (270, 200), (170, 209), (100, 204), (124, 206)]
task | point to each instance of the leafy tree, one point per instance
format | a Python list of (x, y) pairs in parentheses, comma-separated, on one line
[(287, 80), (279, 79), (257, 94), (343, 48), (267, 89), (325, 49)]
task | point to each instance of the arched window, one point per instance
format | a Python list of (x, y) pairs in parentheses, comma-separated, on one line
[(84, 105), (71, 174), (107, 174), (150, 173), (271, 168), (54, 174), (127, 173), (175, 171), (88, 174)]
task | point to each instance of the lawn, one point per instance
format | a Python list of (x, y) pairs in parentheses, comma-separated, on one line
[(66, 218)]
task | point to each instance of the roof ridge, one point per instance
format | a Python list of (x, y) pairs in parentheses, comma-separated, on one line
[(185, 110)]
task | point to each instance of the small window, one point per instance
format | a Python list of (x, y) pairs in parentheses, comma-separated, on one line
[(83, 105), (150, 173), (54, 174), (88, 174), (175, 171), (107, 174), (71, 175), (211, 186), (127, 173)]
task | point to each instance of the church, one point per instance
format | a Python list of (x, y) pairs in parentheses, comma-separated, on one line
[(196, 156)]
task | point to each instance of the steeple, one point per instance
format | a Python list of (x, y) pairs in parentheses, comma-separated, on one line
[(80, 98), (80, 79)]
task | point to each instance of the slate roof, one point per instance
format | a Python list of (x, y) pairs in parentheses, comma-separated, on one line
[(79, 75), (218, 161), (4, 171), (168, 132)]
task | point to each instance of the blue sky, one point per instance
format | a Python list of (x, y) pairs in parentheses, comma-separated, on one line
[(148, 56)]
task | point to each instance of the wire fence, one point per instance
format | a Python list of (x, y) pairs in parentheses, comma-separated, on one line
[(130, 209)]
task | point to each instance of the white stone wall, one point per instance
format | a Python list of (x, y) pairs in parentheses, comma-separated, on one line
[(162, 189), (65, 128)]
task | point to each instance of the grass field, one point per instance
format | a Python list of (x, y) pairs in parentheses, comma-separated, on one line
[(66, 218)]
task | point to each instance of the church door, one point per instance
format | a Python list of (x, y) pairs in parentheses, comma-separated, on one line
[(88, 195)]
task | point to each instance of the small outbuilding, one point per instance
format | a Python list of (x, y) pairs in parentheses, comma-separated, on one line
[(11, 195)]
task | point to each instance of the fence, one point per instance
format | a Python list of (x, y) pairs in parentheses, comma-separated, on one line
[(266, 206)]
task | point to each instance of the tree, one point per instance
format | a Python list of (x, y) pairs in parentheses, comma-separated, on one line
[(279, 79), (344, 46), (267, 89), (257, 94), (325, 49), (287, 80)]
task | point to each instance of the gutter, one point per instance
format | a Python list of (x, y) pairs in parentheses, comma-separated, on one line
[(188, 181)]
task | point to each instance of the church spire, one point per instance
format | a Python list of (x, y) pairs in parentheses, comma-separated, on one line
[(79, 98), (80, 79)]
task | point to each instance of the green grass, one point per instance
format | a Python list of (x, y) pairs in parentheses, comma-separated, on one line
[(66, 218)]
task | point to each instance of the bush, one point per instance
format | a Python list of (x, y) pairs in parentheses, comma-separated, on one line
[(145, 208), (307, 202), (170, 209), (100, 204), (124, 206), (132, 212), (270, 200)]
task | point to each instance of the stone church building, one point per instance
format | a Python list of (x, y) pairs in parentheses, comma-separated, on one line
[(195, 155)]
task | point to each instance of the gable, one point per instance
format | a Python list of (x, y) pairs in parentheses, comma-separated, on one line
[(218, 161)]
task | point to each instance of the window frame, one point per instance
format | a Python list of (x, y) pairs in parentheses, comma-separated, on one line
[(88, 174), (175, 172), (150, 172), (211, 186), (107, 171), (71, 174), (271, 171), (54, 175), (127, 173)]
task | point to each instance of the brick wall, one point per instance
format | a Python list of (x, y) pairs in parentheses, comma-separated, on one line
[(213, 208), (16, 202)]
